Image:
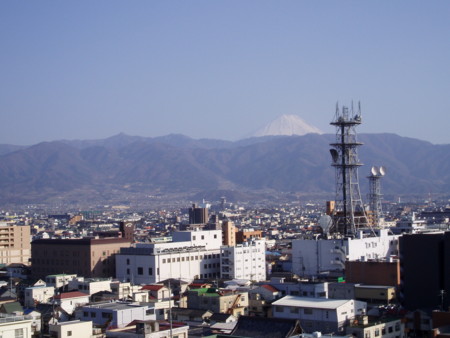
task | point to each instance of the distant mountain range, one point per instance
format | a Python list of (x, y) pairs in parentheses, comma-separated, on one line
[(132, 167)]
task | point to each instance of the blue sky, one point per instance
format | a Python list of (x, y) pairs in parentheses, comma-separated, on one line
[(220, 69)]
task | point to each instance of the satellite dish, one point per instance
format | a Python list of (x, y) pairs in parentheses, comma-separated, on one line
[(382, 171), (325, 223), (374, 171), (334, 155)]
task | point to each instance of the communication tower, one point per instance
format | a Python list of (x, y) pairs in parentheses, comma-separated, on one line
[(376, 173), (349, 210)]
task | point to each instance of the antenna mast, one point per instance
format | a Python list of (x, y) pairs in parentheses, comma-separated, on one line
[(349, 212), (375, 194)]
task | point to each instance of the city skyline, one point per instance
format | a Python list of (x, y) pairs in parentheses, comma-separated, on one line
[(218, 69)]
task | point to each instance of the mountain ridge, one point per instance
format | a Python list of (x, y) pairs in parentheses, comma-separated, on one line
[(136, 166)]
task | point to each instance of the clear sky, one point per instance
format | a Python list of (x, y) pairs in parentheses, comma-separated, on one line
[(220, 69)]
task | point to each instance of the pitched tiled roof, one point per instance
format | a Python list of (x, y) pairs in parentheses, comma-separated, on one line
[(73, 294), (152, 287), (270, 288)]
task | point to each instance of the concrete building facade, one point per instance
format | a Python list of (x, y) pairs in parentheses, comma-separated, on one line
[(88, 257), (311, 258), (191, 255), (244, 261), (317, 314), (14, 243)]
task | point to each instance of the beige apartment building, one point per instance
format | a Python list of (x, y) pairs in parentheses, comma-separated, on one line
[(15, 244)]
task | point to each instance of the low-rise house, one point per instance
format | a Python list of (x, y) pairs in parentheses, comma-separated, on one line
[(219, 300), (41, 294), (157, 292), (115, 315), (318, 314), (74, 328), (60, 281), (191, 315), (299, 288), (124, 290), (69, 301), (386, 328), (260, 299), (90, 285), (15, 326), (18, 270), (375, 294)]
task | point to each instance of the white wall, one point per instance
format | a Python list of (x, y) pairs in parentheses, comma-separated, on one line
[(313, 257), (247, 261)]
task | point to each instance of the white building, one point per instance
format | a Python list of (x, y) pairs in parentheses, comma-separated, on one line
[(73, 328), (319, 314), (38, 295), (69, 301), (244, 261), (59, 281), (191, 255), (12, 326), (300, 288), (115, 315), (312, 258), (90, 285)]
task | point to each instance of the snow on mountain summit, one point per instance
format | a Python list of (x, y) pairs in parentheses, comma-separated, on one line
[(287, 125)]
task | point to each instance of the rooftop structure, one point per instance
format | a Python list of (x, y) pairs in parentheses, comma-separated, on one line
[(349, 213)]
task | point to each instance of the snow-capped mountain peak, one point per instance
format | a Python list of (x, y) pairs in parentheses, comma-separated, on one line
[(287, 125)]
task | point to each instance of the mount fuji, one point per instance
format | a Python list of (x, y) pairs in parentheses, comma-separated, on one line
[(287, 125)]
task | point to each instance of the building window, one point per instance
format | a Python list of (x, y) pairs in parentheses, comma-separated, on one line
[(93, 314), (164, 260), (128, 261), (140, 270), (128, 271), (278, 309), (18, 333), (307, 311), (377, 332), (69, 333), (294, 309), (150, 271), (215, 236)]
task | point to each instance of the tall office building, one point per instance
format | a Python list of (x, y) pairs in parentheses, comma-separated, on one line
[(198, 214), (14, 243), (425, 271)]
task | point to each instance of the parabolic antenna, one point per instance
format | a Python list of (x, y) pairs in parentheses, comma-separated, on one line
[(374, 171), (382, 171), (334, 155), (325, 223)]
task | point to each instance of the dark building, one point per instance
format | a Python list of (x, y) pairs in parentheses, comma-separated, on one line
[(425, 271), (87, 257), (127, 229), (373, 272), (198, 215)]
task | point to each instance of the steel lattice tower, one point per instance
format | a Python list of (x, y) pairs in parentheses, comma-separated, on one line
[(349, 211), (375, 194)]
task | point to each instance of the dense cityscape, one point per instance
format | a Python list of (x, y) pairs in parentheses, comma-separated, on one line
[(341, 268)]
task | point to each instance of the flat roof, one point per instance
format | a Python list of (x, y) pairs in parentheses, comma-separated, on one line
[(309, 302)]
